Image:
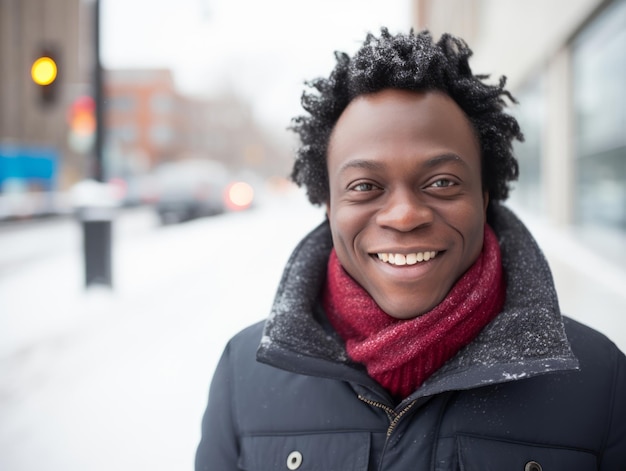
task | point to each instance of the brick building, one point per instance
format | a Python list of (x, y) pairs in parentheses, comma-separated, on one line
[(149, 122)]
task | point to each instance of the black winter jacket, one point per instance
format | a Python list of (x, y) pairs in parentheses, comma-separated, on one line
[(534, 391)]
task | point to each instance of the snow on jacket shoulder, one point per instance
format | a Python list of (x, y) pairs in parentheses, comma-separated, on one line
[(534, 391)]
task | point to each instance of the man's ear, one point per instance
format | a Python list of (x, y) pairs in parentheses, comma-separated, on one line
[(327, 205), (485, 202)]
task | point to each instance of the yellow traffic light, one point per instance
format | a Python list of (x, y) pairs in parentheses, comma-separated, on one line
[(44, 71)]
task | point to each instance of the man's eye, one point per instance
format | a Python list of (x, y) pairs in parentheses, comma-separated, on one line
[(363, 187), (443, 183)]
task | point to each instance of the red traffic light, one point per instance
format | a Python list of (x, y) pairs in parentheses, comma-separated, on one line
[(81, 115)]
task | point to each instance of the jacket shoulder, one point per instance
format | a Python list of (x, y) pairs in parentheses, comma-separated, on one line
[(603, 370), (602, 365), (589, 345), (246, 341)]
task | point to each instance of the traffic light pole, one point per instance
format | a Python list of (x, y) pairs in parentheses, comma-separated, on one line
[(99, 99), (97, 218)]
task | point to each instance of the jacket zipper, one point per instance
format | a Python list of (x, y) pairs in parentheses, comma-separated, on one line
[(393, 416)]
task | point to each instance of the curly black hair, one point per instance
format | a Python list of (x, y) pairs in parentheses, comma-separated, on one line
[(409, 62)]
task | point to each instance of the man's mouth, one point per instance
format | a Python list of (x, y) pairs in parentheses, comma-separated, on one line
[(406, 259)]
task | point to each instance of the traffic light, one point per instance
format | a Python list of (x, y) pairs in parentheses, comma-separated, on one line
[(81, 118), (45, 73)]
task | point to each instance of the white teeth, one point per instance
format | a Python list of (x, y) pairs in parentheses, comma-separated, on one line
[(406, 259)]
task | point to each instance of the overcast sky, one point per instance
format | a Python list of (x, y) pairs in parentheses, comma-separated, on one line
[(262, 49)]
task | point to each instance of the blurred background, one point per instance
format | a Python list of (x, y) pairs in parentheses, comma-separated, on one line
[(146, 213)]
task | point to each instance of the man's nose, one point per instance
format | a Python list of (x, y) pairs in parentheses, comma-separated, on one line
[(404, 211)]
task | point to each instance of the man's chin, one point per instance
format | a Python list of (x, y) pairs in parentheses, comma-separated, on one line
[(407, 309)]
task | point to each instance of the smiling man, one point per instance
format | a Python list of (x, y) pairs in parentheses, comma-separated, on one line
[(404, 188), (418, 326)]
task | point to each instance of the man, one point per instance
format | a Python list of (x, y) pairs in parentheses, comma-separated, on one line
[(418, 327)]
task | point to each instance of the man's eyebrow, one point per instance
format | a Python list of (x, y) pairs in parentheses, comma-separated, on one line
[(443, 159), (375, 166), (363, 164)]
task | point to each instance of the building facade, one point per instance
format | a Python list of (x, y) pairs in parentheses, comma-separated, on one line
[(148, 122), (28, 29), (563, 61), (565, 64)]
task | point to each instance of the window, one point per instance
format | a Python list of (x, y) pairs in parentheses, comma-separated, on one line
[(599, 75), (530, 115), (161, 134), (121, 103), (162, 103)]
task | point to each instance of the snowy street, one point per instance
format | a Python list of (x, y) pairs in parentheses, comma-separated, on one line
[(118, 380)]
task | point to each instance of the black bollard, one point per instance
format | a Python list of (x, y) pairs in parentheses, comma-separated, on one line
[(97, 242)]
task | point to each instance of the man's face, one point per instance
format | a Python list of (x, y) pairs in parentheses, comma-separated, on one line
[(407, 208)]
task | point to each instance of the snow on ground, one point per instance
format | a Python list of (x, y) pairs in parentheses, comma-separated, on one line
[(118, 380)]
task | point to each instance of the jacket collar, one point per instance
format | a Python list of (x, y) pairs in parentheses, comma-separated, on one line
[(526, 339)]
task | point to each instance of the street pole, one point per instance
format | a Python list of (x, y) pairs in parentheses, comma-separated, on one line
[(98, 98), (97, 216)]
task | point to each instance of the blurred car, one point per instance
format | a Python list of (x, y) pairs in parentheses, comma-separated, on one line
[(189, 189), (135, 190)]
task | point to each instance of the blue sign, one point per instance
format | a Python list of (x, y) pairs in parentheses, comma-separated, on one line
[(29, 165)]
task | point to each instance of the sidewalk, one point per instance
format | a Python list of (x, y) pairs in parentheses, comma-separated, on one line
[(118, 380)]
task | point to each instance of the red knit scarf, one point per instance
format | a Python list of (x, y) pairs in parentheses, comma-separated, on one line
[(402, 354)]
